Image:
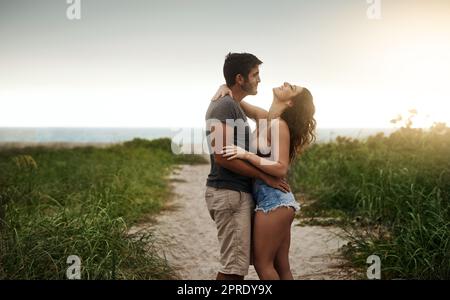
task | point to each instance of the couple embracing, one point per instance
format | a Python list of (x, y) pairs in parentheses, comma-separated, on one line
[(247, 194)]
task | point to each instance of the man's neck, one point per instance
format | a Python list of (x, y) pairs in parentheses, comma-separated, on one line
[(238, 93)]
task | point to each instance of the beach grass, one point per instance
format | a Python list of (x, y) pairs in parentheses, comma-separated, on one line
[(57, 202), (391, 195)]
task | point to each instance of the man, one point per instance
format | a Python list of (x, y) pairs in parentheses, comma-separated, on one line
[(229, 184)]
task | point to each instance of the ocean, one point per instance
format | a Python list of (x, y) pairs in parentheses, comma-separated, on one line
[(117, 135)]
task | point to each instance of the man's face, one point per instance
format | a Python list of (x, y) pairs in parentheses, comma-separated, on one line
[(250, 85)]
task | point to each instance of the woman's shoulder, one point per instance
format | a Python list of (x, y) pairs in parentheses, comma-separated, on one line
[(282, 124)]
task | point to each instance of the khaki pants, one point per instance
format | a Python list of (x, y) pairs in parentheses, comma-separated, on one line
[(233, 213)]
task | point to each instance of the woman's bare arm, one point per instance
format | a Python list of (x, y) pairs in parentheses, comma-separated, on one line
[(254, 112), (277, 167), (251, 111)]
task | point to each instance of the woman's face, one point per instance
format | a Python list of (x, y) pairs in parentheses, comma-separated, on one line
[(286, 92)]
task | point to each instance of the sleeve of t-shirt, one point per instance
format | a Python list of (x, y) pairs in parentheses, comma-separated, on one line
[(225, 110)]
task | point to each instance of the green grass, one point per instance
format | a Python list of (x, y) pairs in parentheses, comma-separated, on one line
[(392, 191), (82, 201)]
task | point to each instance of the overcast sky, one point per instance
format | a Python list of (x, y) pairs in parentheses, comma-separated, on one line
[(140, 63)]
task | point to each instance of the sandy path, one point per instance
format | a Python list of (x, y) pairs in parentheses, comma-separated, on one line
[(189, 239)]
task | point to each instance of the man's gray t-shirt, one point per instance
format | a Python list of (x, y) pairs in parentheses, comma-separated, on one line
[(222, 110)]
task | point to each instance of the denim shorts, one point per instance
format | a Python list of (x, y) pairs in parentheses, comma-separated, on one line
[(268, 198)]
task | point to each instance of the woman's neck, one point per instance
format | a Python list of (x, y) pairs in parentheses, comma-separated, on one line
[(276, 109)]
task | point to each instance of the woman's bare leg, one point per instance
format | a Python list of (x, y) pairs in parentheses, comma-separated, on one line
[(270, 230), (282, 256)]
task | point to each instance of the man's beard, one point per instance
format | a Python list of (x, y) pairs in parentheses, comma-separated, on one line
[(248, 88)]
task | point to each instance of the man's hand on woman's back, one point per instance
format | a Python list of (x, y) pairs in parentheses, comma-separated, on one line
[(277, 183)]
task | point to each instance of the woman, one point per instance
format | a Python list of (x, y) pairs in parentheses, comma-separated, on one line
[(289, 129)]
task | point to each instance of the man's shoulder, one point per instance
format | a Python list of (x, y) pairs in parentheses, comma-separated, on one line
[(224, 105), (225, 101)]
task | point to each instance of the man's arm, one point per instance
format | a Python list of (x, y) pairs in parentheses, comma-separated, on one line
[(242, 167), (278, 165)]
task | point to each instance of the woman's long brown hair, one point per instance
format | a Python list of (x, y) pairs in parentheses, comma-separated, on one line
[(301, 123)]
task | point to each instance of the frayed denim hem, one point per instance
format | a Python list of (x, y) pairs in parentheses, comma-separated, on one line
[(295, 206), (234, 271)]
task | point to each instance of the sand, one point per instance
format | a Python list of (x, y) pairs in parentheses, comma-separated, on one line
[(188, 239)]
